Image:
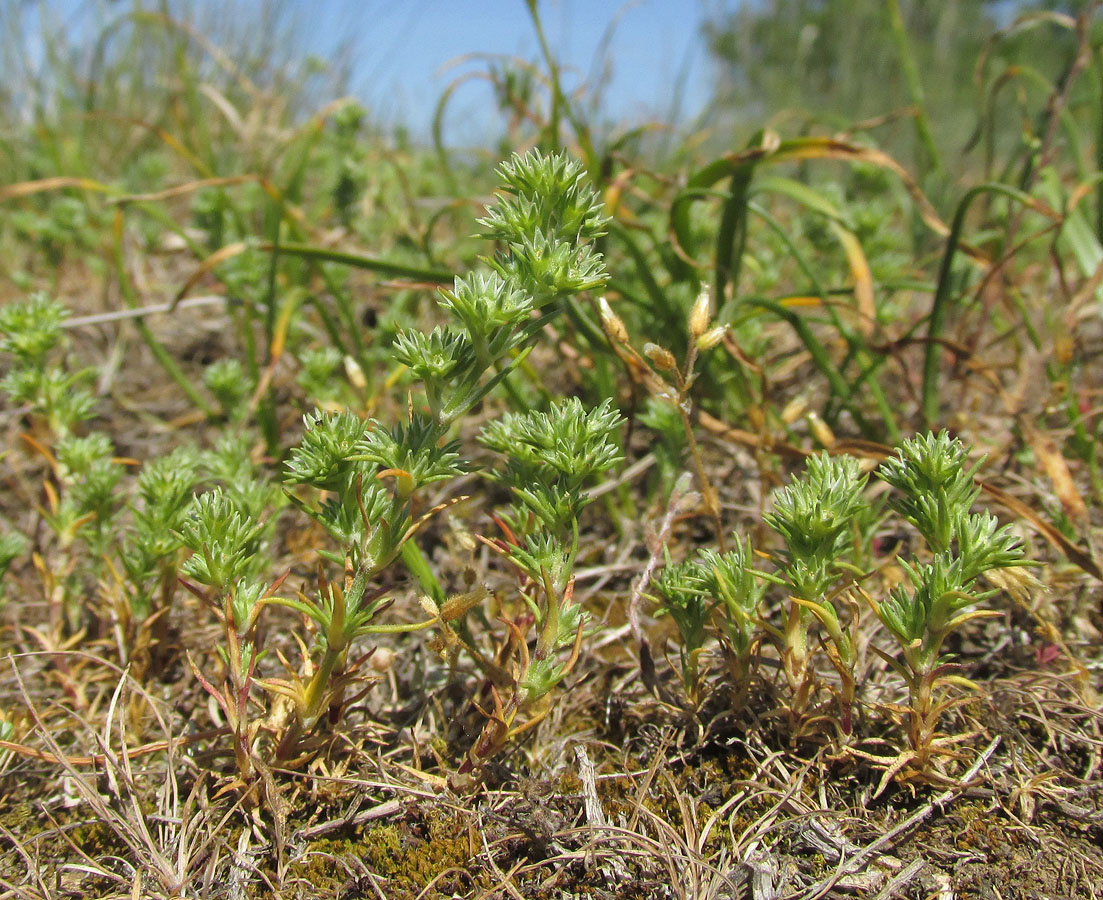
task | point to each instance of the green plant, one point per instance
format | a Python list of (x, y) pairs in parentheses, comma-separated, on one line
[(81, 497), (682, 596), (30, 331), (228, 529), (352, 460), (227, 380), (225, 544), (547, 217), (87, 476), (151, 549), (817, 516), (738, 592), (549, 458), (452, 360), (321, 379), (721, 589), (372, 477), (935, 491), (12, 546), (544, 221), (226, 557)]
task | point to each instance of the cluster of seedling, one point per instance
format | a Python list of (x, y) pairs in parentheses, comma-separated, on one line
[(825, 523), (362, 481), (204, 520)]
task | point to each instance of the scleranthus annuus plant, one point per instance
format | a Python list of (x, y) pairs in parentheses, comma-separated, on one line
[(366, 480), (682, 596), (80, 497), (549, 459), (718, 589), (737, 591), (494, 329), (150, 550), (935, 490), (546, 217), (31, 334), (227, 545), (363, 481), (816, 516)]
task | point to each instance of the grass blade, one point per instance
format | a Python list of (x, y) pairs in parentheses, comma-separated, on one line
[(930, 400)]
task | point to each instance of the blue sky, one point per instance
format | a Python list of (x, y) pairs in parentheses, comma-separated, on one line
[(402, 51), (646, 54)]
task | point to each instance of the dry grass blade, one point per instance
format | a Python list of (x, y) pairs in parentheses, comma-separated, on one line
[(1057, 470), (863, 278), (855, 863), (28, 188), (167, 844), (208, 265), (1046, 529), (182, 190)]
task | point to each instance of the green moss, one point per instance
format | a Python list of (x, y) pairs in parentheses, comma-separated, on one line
[(383, 849), (20, 819), (317, 868), (412, 857), (96, 839), (405, 856)]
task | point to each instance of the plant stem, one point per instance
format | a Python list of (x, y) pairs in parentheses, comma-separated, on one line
[(915, 86), (685, 404), (316, 689), (795, 663), (159, 352)]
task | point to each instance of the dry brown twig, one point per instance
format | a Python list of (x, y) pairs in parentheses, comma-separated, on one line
[(855, 863)]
